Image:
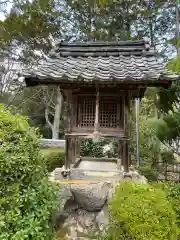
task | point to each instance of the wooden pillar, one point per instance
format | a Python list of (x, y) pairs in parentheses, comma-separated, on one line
[(73, 149), (126, 132), (70, 151), (122, 153), (69, 105), (126, 156), (130, 160), (119, 163), (67, 147), (78, 147), (68, 139)]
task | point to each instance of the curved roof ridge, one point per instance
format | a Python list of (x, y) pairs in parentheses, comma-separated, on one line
[(100, 48), (103, 43)]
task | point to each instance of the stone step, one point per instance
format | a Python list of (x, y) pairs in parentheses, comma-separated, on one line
[(78, 181)]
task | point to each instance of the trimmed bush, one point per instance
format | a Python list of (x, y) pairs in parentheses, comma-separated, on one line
[(141, 212), (27, 198), (54, 157)]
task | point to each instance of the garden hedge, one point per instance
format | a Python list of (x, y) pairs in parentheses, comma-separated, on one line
[(27, 198)]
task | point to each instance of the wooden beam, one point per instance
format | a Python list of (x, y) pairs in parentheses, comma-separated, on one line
[(72, 84)]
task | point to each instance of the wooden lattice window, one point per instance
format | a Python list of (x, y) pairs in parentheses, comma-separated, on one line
[(109, 112), (86, 111)]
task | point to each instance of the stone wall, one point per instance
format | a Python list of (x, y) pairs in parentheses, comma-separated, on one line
[(49, 143), (169, 172)]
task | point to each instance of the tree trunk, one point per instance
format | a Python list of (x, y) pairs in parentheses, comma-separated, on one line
[(57, 116), (151, 33)]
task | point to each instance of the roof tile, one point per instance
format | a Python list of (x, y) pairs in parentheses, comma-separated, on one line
[(100, 61)]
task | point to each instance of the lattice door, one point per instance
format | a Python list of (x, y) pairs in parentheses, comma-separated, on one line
[(86, 111)]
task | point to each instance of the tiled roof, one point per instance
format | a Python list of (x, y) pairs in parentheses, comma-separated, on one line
[(100, 62)]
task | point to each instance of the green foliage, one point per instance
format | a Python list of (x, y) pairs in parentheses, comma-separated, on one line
[(154, 131), (90, 148), (167, 129), (122, 19), (150, 173), (148, 142), (98, 19), (172, 191), (174, 64), (168, 98), (27, 198), (96, 149), (29, 25), (149, 147), (167, 156), (173, 195), (141, 212), (54, 158)]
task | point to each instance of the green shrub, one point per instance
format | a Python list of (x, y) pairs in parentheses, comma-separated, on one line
[(141, 212), (27, 198), (96, 149), (90, 148), (172, 191), (150, 173), (54, 157), (167, 157)]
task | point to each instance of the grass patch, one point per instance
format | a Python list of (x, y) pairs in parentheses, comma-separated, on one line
[(54, 157), (47, 151)]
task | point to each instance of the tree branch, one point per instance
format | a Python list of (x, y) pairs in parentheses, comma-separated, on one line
[(47, 118), (5, 2)]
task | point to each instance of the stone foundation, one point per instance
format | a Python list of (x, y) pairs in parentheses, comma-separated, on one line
[(84, 209)]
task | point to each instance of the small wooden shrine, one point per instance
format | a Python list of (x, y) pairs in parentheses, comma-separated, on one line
[(99, 80)]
